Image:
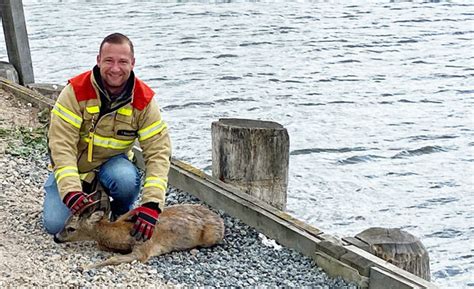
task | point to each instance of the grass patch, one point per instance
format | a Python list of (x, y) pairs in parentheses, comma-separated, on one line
[(4, 132), (25, 142)]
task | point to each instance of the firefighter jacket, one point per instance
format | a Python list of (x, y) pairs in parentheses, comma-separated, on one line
[(80, 141)]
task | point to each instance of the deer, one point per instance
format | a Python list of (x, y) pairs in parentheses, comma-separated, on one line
[(179, 227)]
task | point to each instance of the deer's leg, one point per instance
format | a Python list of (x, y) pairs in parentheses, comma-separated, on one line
[(105, 248), (119, 259)]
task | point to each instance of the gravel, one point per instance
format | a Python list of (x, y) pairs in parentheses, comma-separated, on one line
[(29, 256)]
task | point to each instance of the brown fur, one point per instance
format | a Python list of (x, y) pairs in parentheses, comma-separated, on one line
[(179, 227)]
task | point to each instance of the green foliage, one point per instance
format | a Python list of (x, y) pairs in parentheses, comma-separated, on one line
[(25, 142), (4, 132)]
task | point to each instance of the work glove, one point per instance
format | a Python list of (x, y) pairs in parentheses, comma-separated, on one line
[(78, 202), (145, 218)]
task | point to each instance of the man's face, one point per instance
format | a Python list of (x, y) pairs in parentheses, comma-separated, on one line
[(116, 62)]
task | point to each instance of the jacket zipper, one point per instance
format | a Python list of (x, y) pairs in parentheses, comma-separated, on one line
[(90, 146)]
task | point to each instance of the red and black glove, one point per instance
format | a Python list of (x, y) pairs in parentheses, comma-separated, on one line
[(145, 218), (78, 202)]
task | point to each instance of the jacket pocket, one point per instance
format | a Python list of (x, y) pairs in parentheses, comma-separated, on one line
[(125, 129)]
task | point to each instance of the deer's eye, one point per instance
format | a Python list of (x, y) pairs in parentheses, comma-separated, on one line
[(70, 230)]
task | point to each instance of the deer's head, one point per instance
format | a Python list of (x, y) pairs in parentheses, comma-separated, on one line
[(79, 228)]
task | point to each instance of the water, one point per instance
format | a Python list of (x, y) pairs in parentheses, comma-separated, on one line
[(377, 99)]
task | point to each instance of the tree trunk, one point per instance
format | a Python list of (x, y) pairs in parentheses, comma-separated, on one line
[(399, 248), (252, 155)]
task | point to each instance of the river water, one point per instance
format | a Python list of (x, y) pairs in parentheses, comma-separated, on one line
[(377, 99)]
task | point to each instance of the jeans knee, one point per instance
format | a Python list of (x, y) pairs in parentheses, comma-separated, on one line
[(52, 226), (126, 190), (120, 176)]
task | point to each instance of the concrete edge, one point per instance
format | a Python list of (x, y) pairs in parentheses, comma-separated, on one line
[(329, 254)]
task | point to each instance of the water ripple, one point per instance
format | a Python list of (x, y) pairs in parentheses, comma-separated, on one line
[(435, 202), (418, 152), (359, 159), (424, 137), (230, 78), (234, 99), (327, 150), (191, 58), (186, 105), (445, 234), (226, 56), (254, 43)]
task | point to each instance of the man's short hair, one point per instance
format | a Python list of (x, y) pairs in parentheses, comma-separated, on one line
[(117, 38)]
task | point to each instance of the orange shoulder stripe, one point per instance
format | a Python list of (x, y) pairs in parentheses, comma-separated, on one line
[(82, 86), (142, 94)]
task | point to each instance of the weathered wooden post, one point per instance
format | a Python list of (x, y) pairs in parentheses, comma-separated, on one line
[(16, 38), (252, 155), (395, 246)]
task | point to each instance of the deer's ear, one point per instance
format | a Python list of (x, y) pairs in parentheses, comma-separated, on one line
[(72, 219), (96, 216), (72, 222)]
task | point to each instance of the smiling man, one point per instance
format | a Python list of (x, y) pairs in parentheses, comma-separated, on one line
[(94, 124)]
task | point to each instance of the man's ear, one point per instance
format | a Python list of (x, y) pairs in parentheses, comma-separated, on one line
[(98, 60), (96, 217)]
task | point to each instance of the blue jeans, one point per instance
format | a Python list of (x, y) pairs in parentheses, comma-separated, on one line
[(118, 176)]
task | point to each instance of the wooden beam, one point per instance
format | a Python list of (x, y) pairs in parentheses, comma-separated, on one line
[(28, 95), (16, 38)]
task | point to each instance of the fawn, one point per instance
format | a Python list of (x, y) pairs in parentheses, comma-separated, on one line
[(179, 227)]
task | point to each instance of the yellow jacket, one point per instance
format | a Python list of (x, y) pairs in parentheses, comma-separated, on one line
[(80, 142)]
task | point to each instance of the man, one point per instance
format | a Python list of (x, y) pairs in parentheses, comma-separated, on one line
[(94, 124)]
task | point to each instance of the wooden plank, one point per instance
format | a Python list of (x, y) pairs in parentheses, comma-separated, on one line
[(332, 249), (336, 268), (356, 242), (16, 38), (378, 279), (375, 261), (26, 94), (51, 91)]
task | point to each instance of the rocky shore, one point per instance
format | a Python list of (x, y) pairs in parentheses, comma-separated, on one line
[(29, 257)]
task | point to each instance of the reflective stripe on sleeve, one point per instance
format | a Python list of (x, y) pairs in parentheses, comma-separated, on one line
[(151, 130), (109, 142), (93, 109), (67, 115), (65, 172), (156, 182)]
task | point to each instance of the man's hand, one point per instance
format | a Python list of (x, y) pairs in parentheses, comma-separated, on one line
[(78, 202), (145, 218)]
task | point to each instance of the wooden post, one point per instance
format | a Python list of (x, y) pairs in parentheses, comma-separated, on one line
[(252, 155), (16, 38), (397, 247)]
